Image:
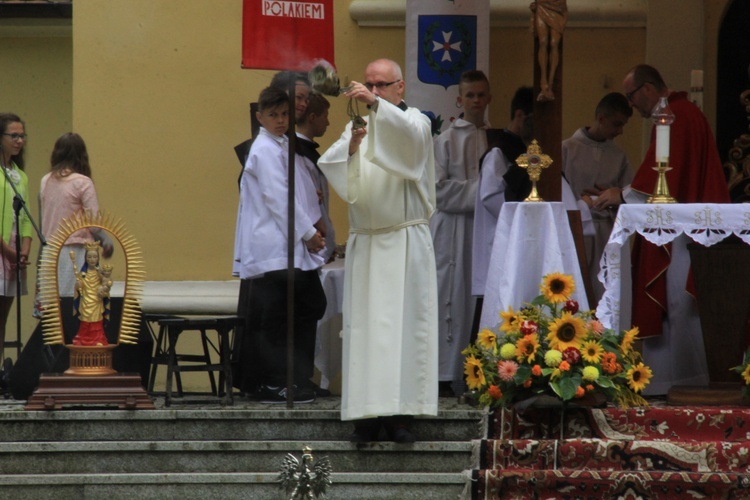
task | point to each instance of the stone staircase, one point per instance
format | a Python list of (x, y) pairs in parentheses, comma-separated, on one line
[(202, 450)]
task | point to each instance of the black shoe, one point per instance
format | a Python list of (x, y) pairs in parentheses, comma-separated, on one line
[(276, 395), (402, 434), (320, 392), (365, 431), (445, 389), (398, 430)]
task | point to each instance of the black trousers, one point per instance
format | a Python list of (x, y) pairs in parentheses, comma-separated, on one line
[(263, 303)]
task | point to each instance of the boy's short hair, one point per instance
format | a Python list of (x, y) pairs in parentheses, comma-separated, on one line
[(316, 105), (523, 100), (284, 79), (271, 97), (613, 103), (473, 75)]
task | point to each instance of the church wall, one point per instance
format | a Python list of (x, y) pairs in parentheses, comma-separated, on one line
[(161, 100), (159, 96), (36, 70)]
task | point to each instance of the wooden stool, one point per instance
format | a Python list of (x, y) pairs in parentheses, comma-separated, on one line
[(224, 327), (161, 348)]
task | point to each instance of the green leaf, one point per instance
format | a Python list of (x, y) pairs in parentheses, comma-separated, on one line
[(556, 388), (568, 388), (604, 382), (523, 374)]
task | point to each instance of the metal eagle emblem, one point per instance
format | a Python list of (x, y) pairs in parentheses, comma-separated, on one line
[(303, 480)]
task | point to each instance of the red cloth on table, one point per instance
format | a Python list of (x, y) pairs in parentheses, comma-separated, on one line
[(696, 177)]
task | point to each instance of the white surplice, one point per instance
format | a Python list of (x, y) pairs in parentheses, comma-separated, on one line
[(587, 164), (457, 154), (390, 348)]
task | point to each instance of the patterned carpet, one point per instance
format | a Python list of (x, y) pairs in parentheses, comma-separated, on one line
[(654, 452)]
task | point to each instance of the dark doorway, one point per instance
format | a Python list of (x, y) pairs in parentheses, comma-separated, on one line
[(732, 75)]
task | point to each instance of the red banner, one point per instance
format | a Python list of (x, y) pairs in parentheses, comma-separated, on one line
[(286, 35)]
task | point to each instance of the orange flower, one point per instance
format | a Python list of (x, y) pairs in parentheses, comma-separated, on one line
[(564, 366), (527, 383), (580, 392), (589, 387), (494, 392), (536, 370), (609, 362)]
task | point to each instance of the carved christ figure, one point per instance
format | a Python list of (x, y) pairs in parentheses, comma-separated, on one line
[(548, 23)]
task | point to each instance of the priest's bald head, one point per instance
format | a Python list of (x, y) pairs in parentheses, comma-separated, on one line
[(383, 77)]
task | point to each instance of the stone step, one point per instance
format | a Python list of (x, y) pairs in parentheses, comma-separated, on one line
[(257, 486), (203, 450), (245, 422), (131, 457)]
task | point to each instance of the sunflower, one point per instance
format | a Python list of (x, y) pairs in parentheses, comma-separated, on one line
[(474, 373), (566, 331), (487, 339), (746, 374), (628, 339), (511, 320), (638, 377), (591, 351), (557, 287), (526, 348)]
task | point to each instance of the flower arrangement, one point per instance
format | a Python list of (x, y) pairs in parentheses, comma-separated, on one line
[(744, 371), (550, 347)]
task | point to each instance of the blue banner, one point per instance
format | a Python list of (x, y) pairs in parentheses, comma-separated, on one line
[(447, 48)]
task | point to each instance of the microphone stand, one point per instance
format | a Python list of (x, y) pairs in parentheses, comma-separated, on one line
[(18, 204)]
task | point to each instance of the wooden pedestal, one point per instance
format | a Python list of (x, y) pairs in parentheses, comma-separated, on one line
[(58, 390), (722, 280)]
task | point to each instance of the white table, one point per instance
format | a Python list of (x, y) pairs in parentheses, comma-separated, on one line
[(328, 341), (531, 241), (704, 223)]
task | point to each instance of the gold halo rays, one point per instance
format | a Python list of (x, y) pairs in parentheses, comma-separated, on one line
[(52, 326)]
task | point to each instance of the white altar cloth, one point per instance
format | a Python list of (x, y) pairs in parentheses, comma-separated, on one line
[(531, 241), (704, 223), (328, 341)]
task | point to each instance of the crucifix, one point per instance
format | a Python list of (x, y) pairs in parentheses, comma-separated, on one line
[(548, 21), (549, 18)]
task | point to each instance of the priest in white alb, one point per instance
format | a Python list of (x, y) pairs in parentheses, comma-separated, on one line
[(385, 172)]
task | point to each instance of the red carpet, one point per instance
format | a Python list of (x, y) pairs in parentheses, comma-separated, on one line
[(656, 452)]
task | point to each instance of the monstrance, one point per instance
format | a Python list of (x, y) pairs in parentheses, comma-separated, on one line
[(533, 160)]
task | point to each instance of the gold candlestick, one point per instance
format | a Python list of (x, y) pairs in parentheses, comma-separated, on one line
[(661, 191), (534, 161)]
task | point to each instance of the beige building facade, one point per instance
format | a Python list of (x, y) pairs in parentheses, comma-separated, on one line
[(156, 90)]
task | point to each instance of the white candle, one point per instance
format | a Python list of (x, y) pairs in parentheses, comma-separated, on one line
[(696, 79), (662, 143)]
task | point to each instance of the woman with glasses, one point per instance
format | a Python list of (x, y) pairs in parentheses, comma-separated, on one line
[(12, 142)]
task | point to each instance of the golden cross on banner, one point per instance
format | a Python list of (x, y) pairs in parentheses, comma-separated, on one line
[(534, 161)]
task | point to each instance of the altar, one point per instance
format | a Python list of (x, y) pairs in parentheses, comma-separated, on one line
[(704, 223), (531, 241), (721, 274)]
